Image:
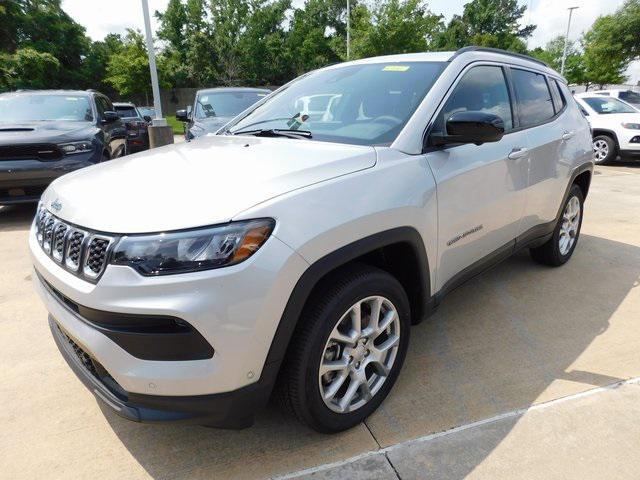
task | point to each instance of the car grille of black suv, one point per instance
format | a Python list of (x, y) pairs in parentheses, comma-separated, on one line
[(80, 251), (44, 152)]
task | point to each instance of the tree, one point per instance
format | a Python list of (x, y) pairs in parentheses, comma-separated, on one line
[(396, 26), (28, 68), (551, 54), (605, 58), (488, 23), (128, 68)]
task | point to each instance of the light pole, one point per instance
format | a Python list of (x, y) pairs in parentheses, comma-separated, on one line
[(566, 40), (159, 132), (348, 29)]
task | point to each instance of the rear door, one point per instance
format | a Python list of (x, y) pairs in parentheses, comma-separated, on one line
[(481, 188), (543, 116)]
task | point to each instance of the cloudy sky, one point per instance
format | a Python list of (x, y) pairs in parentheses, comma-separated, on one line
[(550, 16)]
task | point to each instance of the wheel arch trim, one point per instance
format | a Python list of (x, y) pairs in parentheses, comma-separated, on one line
[(319, 269)]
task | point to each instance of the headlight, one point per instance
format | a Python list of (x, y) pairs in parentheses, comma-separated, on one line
[(192, 250), (197, 131), (631, 126), (76, 147)]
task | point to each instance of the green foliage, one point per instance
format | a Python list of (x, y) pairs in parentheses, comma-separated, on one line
[(395, 26), (28, 68), (551, 54), (268, 42), (128, 68), (487, 23)]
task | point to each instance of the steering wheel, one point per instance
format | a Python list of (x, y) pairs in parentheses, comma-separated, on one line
[(389, 119)]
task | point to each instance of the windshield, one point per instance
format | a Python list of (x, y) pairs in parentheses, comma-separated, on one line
[(630, 97), (126, 111), (608, 105), (225, 104), (366, 104), (147, 111), (38, 107)]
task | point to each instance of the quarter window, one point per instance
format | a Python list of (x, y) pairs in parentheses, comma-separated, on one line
[(534, 98), (558, 98), (481, 89)]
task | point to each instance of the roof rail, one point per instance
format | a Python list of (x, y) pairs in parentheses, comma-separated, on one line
[(474, 48)]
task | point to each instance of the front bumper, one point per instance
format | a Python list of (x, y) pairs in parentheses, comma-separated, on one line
[(236, 309), (23, 181), (224, 410)]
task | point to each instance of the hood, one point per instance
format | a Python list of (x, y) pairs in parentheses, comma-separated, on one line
[(198, 183), (45, 132)]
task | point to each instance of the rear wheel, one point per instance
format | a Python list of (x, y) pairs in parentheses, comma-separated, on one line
[(348, 351), (559, 248), (604, 150)]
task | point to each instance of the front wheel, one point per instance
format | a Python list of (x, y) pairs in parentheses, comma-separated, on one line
[(559, 248), (348, 351)]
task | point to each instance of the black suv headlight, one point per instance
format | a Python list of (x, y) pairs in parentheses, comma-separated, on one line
[(76, 147), (192, 250)]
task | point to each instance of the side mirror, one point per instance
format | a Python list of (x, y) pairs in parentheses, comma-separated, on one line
[(110, 117), (182, 115), (471, 127), (147, 118)]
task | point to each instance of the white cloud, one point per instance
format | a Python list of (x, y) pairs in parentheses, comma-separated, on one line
[(551, 17), (113, 16)]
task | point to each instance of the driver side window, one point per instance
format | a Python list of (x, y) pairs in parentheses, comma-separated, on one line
[(481, 89)]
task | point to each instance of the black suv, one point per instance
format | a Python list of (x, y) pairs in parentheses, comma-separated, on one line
[(137, 126), (47, 133)]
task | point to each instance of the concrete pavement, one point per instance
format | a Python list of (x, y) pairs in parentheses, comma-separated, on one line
[(518, 335)]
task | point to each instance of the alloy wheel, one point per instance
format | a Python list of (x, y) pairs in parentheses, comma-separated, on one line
[(570, 225), (600, 150), (359, 354)]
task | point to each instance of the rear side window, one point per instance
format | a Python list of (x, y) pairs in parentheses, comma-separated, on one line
[(481, 89), (558, 98), (534, 98)]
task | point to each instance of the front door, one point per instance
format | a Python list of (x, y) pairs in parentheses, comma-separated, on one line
[(481, 188)]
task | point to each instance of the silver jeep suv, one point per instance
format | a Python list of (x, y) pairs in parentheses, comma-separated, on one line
[(289, 253)]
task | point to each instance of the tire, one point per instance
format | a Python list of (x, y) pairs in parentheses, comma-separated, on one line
[(604, 150), (331, 304), (559, 248)]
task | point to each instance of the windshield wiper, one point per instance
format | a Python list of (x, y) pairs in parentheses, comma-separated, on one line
[(275, 132)]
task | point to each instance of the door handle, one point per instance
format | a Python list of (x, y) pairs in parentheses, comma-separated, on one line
[(567, 135), (518, 152)]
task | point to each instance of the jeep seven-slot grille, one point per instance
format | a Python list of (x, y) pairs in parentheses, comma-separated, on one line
[(82, 252)]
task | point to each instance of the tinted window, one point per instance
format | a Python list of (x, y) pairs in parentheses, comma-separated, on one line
[(558, 98), (481, 89), (126, 112), (534, 98), (41, 107), (605, 106), (225, 104), (630, 97), (365, 104)]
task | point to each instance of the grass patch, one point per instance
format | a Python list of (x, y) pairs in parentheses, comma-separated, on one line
[(176, 125)]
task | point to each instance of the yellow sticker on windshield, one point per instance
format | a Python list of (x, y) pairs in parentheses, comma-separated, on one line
[(396, 68)]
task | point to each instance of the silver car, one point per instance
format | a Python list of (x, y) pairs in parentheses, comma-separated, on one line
[(292, 251)]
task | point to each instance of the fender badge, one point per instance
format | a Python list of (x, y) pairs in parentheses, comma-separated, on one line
[(56, 205)]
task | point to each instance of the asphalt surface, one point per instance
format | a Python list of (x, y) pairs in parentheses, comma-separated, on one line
[(488, 369)]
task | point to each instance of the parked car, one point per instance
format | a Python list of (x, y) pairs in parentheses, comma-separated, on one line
[(615, 126), (629, 96), (147, 112), (47, 133), (185, 284), (137, 126), (214, 107)]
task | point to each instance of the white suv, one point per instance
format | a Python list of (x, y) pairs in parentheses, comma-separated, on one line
[(615, 126), (186, 282)]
